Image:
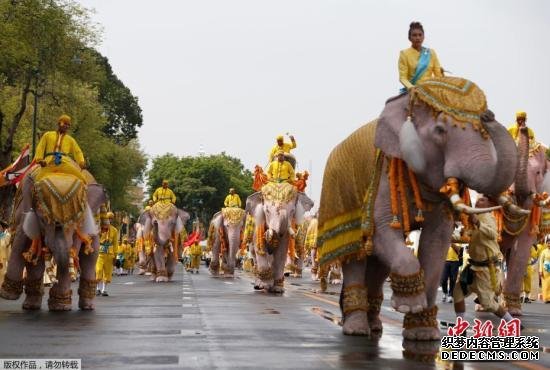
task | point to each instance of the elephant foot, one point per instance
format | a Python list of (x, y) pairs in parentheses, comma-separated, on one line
[(60, 301), (356, 323), (32, 302), (162, 279), (278, 286), (11, 289), (34, 291), (422, 326), (408, 292), (87, 293), (229, 276), (148, 273), (259, 285), (373, 313), (336, 282), (141, 271), (512, 302)]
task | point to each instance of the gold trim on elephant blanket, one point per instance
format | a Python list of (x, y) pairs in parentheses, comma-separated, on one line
[(279, 193), (459, 99), (345, 183), (233, 215), (61, 198), (162, 211)]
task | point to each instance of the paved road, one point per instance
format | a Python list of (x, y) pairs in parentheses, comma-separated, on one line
[(202, 322)]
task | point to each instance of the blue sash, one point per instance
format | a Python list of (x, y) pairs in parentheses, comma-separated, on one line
[(421, 67), (547, 266), (104, 247)]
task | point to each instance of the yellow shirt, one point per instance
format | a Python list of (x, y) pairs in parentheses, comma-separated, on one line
[(164, 195), (514, 131), (544, 257), (49, 143), (286, 147), (408, 59), (108, 241), (452, 255), (280, 171), (195, 250), (232, 200)]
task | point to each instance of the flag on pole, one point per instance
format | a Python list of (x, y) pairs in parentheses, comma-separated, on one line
[(15, 172)]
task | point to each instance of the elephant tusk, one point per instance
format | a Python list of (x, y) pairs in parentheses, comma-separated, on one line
[(459, 206), (291, 231), (544, 203), (507, 203)]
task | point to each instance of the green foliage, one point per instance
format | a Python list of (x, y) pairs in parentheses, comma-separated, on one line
[(47, 51), (201, 183)]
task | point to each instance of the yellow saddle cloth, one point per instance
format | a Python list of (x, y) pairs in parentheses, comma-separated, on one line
[(162, 211), (61, 198), (234, 215)]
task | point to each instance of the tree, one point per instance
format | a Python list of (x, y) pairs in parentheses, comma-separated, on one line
[(201, 183)]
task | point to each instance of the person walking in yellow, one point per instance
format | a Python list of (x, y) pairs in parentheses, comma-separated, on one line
[(57, 150), (232, 199), (281, 145), (195, 252), (164, 194), (521, 119), (417, 63), (108, 245), (450, 272), (544, 271), (280, 170), (532, 267)]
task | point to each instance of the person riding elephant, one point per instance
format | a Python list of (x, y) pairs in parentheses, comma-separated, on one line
[(280, 170), (57, 151), (276, 208), (404, 171), (281, 146), (164, 194), (51, 215), (232, 199), (530, 192), (163, 222), (224, 235)]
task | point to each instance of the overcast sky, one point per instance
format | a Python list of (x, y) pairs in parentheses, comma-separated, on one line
[(232, 74)]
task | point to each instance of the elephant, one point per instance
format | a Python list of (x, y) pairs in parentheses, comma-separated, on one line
[(165, 222), (519, 234), (55, 213), (225, 232), (417, 158), (275, 209)]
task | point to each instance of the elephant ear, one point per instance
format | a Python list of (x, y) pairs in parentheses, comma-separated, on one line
[(253, 201), (145, 220), (389, 126), (303, 205), (183, 215)]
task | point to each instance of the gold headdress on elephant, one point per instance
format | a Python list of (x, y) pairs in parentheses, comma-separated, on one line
[(459, 100)]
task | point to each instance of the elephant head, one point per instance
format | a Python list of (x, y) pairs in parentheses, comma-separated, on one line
[(429, 131), (278, 205), (165, 221)]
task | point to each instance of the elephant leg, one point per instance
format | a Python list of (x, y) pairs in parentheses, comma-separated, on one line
[(434, 244), (376, 275), (142, 262), (215, 262), (353, 298), (278, 265), (264, 272), (34, 287), (12, 286), (516, 268), (170, 266), (61, 293), (88, 281), (161, 275)]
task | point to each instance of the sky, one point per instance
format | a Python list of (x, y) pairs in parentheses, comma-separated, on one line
[(231, 75)]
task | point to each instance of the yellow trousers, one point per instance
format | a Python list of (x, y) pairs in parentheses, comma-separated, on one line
[(482, 287), (195, 261), (546, 286), (104, 268)]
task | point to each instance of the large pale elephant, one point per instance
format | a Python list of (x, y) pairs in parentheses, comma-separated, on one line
[(54, 215), (276, 208), (520, 233), (165, 222), (406, 171), (227, 226)]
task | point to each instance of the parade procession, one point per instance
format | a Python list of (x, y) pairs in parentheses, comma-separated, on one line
[(400, 221)]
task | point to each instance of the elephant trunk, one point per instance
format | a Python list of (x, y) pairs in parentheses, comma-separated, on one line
[(60, 250), (156, 236), (521, 186), (507, 159)]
